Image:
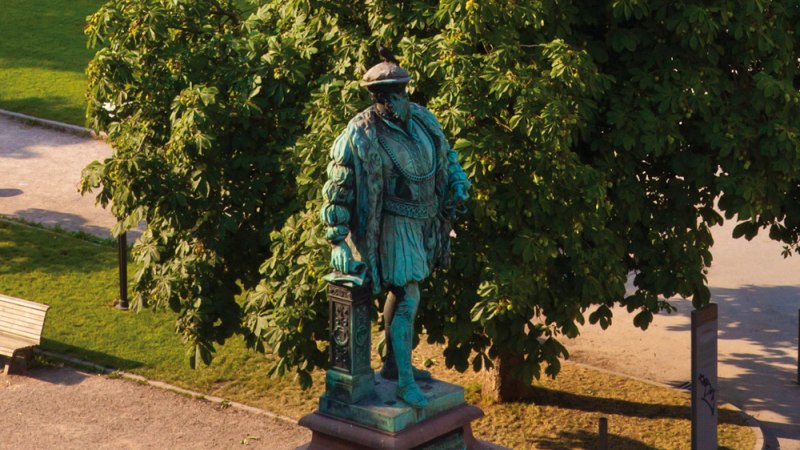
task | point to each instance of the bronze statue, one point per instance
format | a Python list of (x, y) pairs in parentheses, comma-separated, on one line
[(394, 186)]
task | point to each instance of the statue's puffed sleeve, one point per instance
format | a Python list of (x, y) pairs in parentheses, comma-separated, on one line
[(457, 175), (338, 190)]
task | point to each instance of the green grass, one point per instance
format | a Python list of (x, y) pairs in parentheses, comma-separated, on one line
[(78, 279), (43, 57)]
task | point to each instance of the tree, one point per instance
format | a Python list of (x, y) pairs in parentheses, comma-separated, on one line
[(598, 137), (201, 108)]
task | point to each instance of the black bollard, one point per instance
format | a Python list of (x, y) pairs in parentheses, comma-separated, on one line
[(122, 257), (602, 440)]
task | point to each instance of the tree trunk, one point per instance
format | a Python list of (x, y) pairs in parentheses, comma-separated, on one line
[(499, 384)]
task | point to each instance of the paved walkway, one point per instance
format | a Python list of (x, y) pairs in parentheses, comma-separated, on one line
[(39, 173), (757, 290)]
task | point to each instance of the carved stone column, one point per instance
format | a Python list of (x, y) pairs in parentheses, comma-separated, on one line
[(350, 378)]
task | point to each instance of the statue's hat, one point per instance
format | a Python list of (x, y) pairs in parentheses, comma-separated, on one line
[(386, 72)]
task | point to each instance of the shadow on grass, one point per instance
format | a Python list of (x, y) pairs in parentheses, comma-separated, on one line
[(567, 440), (66, 221), (28, 250), (46, 34), (99, 358), (58, 108), (549, 397), (583, 439)]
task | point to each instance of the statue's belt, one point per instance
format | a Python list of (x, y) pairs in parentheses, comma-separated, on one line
[(406, 208)]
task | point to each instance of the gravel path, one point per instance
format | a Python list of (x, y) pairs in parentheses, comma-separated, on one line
[(67, 409)]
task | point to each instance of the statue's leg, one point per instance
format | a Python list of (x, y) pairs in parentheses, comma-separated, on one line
[(402, 341), (389, 369)]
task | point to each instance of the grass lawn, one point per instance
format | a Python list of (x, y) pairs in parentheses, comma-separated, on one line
[(78, 280), (43, 57)]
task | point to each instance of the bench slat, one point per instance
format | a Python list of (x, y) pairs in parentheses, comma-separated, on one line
[(21, 315), (6, 339), (21, 324), (16, 329), (8, 344), (21, 302), (19, 307)]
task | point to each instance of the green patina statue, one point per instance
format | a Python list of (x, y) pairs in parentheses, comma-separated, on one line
[(394, 186)]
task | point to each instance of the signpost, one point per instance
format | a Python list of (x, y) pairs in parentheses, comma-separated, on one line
[(704, 378)]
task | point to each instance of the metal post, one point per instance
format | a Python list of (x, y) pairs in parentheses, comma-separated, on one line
[(122, 257), (602, 440), (798, 346), (704, 328)]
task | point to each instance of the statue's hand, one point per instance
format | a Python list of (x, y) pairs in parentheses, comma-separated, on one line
[(455, 205), (341, 257)]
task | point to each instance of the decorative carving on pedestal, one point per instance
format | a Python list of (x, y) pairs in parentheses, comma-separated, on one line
[(341, 336), (351, 378)]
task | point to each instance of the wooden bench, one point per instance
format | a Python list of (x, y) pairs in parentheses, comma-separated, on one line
[(21, 324)]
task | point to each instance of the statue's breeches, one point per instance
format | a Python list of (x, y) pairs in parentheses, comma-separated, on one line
[(406, 249)]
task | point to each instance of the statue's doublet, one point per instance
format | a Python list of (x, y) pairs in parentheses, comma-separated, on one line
[(408, 236), (386, 195)]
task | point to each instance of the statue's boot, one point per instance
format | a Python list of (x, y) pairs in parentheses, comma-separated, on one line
[(402, 327), (407, 388), (389, 369), (412, 394)]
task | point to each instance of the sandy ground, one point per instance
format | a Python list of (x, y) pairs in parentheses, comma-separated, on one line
[(64, 408)]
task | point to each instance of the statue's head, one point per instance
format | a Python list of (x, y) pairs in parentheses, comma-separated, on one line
[(386, 83)]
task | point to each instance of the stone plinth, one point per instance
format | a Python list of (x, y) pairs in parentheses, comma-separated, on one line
[(383, 411), (361, 410), (450, 430)]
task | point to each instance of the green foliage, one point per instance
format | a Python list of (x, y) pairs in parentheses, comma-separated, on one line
[(201, 108), (598, 137)]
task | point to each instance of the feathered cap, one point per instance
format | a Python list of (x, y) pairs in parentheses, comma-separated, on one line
[(387, 72)]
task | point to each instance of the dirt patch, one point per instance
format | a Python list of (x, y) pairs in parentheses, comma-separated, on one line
[(68, 409)]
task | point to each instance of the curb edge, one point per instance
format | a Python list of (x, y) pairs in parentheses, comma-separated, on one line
[(52, 124)]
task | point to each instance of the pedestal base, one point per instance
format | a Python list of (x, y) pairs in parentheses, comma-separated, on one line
[(383, 411), (450, 430)]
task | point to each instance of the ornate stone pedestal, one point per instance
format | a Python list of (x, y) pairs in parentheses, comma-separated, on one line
[(359, 410)]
